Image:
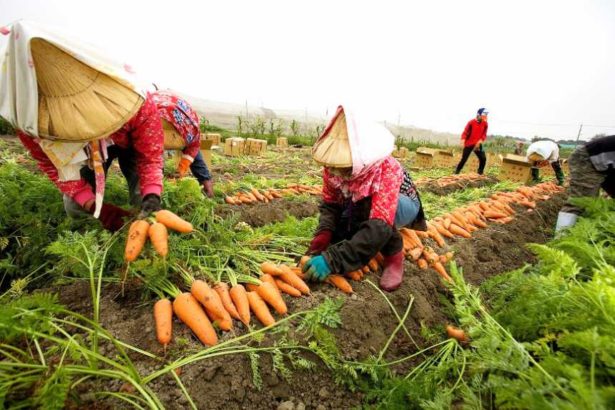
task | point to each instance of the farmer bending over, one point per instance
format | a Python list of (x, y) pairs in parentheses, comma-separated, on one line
[(541, 154), (76, 118), (367, 195), (592, 166), (472, 140), (181, 126)]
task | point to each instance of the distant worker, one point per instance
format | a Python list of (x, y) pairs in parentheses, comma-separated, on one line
[(367, 196), (182, 130), (592, 166), (541, 154), (472, 139), (519, 148)]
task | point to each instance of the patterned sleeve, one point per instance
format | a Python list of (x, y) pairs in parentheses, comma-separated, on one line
[(148, 140), (384, 201), (79, 190), (329, 193), (192, 135)]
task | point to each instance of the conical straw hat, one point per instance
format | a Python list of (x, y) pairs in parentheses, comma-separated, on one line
[(172, 138), (75, 101), (333, 149)]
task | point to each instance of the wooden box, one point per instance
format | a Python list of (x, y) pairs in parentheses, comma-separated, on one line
[(234, 147), (281, 142), (402, 152), (515, 168), (444, 159), (206, 151), (255, 146), (210, 136), (424, 158)]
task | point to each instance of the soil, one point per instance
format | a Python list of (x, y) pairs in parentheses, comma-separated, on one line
[(226, 382), (261, 214)]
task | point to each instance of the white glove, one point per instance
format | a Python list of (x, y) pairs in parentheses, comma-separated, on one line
[(565, 220)]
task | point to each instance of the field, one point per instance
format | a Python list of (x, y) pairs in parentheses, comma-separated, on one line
[(77, 330)]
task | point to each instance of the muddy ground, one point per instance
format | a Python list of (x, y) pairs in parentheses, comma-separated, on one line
[(261, 214), (226, 382)]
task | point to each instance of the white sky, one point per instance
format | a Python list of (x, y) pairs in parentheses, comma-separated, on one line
[(430, 63)]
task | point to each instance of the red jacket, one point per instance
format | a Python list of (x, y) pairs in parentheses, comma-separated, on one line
[(181, 115), (474, 132), (143, 132)]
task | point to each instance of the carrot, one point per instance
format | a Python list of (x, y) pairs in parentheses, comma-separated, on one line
[(459, 219), (491, 214), (271, 269), (475, 220), (435, 235), (422, 263), (441, 271), (457, 334), (295, 281), (422, 234), (380, 259), (275, 194), (212, 303), (260, 309), (303, 260), (415, 253), (270, 294), (230, 200), (137, 235), (268, 195), (457, 230), (373, 265), (286, 288), (430, 255), (442, 230), (447, 223), (340, 282), (163, 317), (244, 199), (170, 220), (159, 236), (251, 196), (504, 220), (240, 299), (222, 289), (528, 204), (188, 310), (355, 275)]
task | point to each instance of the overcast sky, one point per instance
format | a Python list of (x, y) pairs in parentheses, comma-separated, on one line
[(541, 67)]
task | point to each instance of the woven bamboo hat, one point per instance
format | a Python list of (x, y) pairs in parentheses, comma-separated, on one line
[(172, 138), (333, 148), (77, 103)]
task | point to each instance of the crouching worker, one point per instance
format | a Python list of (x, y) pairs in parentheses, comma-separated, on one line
[(592, 166), (367, 195), (181, 127), (76, 118), (541, 154)]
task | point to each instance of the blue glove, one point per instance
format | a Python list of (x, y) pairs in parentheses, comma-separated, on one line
[(316, 268)]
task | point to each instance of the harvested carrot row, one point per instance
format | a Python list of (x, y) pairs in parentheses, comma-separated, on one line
[(286, 288), (270, 294), (293, 280), (457, 230)]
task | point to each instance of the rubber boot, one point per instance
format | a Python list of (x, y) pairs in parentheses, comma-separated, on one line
[(208, 188), (535, 175), (559, 174), (393, 272)]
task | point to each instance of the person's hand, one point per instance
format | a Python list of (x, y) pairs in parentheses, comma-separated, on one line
[(463, 143), (183, 166), (150, 203), (112, 217), (316, 268), (478, 146), (320, 242), (208, 188)]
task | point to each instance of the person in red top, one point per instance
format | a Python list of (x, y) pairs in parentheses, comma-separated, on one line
[(472, 140), (177, 112), (138, 146), (367, 196)]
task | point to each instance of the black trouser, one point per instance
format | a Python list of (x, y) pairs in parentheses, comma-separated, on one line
[(482, 158), (557, 168)]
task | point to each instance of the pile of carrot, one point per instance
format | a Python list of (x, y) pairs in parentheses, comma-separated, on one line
[(451, 179), (140, 230), (254, 195), (465, 220)]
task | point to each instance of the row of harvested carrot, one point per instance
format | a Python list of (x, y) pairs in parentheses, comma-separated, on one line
[(452, 179), (465, 220), (141, 229), (254, 195), (204, 307)]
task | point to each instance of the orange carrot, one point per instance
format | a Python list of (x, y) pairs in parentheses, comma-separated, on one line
[(457, 334), (380, 259), (422, 263), (260, 309), (415, 253), (271, 269), (172, 221), (212, 303), (188, 310), (441, 271), (258, 195), (163, 317), (295, 281), (492, 214), (223, 291), (442, 230), (304, 260), (355, 275), (528, 204), (137, 235), (275, 194), (270, 294), (286, 288), (373, 265), (159, 236), (340, 282), (457, 230), (230, 200), (240, 299)]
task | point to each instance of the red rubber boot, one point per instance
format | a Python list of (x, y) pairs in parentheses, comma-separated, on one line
[(393, 272)]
